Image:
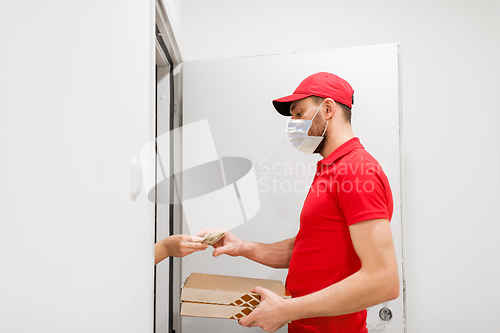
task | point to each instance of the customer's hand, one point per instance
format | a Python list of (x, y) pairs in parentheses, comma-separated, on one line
[(229, 244), (182, 245), (178, 246)]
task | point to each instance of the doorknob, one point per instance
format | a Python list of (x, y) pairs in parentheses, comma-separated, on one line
[(385, 314)]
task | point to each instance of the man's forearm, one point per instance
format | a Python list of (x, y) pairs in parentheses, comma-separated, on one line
[(276, 255), (355, 293)]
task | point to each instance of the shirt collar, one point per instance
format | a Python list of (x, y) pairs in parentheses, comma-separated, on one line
[(342, 150)]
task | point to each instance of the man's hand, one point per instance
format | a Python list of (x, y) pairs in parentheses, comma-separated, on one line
[(271, 314), (182, 245), (229, 244)]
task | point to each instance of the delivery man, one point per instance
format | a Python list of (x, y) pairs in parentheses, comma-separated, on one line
[(342, 260)]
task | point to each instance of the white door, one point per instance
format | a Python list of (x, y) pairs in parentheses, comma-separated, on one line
[(76, 246), (235, 96)]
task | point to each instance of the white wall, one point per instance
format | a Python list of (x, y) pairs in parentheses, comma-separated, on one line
[(175, 12), (450, 127)]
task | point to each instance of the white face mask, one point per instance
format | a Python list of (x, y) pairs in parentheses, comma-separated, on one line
[(297, 129)]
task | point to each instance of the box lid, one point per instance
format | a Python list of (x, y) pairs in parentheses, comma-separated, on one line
[(228, 290)]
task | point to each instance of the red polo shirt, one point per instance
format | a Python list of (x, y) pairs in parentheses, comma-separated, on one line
[(349, 187)]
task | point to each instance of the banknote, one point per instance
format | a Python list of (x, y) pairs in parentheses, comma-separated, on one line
[(213, 238)]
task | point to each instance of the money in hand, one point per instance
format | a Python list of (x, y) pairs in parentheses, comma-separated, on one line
[(213, 238)]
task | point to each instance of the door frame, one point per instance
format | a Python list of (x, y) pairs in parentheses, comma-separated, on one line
[(169, 63)]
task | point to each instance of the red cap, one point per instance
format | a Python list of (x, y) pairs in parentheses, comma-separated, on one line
[(321, 84)]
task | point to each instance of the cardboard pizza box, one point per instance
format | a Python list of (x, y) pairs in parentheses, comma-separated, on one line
[(221, 296)]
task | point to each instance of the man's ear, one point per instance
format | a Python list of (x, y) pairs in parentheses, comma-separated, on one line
[(331, 107)]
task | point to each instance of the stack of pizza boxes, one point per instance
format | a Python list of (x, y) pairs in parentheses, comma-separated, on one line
[(220, 296)]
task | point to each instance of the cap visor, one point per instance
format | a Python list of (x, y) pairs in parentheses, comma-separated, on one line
[(282, 105)]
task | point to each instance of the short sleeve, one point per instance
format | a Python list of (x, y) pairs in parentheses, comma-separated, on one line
[(363, 192)]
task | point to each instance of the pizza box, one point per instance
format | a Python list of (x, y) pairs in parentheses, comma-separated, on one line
[(222, 296)]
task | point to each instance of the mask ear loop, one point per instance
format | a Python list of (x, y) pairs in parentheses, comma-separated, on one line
[(325, 128), (318, 109)]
